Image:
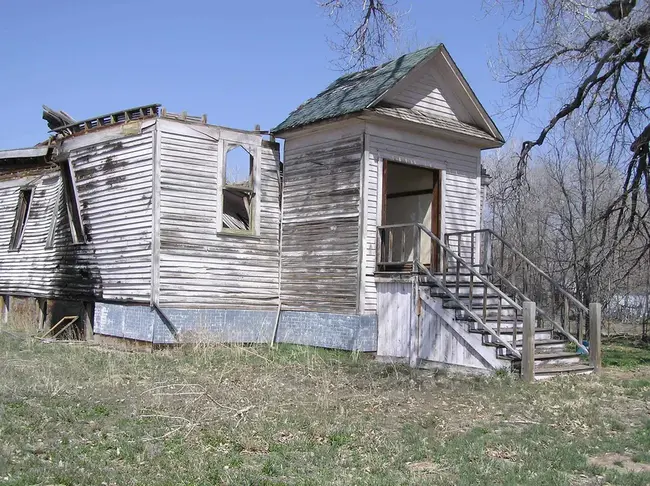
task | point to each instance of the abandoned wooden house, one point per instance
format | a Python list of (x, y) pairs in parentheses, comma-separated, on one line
[(367, 236)]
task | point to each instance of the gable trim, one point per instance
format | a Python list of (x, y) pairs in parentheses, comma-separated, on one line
[(482, 112), (479, 111), (398, 84)]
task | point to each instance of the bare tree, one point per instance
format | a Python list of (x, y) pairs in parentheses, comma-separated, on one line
[(598, 48), (365, 29), (559, 221)]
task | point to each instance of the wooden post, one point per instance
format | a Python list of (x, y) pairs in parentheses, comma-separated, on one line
[(88, 315), (414, 326), (48, 315), (595, 352), (487, 252), (528, 344), (4, 310), (42, 313)]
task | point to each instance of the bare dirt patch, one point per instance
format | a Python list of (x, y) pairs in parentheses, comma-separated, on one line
[(621, 462)]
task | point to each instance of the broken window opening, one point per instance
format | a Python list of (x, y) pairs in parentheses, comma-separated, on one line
[(22, 215), (238, 196), (77, 229), (56, 211)]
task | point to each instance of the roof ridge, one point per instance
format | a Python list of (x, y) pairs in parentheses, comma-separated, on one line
[(353, 92)]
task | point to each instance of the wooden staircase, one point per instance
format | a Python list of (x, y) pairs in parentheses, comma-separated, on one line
[(553, 356), (487, 284)]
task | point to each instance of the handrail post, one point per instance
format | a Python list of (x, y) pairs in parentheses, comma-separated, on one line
[(595, 357), (528, 342), (487, 251), (416, 248)]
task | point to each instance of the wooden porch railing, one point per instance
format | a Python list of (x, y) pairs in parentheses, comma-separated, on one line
[(511, 269), (391, 254)]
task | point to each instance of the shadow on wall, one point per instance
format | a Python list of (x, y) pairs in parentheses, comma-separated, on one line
[(76, 277)]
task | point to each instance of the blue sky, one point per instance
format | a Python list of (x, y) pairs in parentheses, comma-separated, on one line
[(242, 63)]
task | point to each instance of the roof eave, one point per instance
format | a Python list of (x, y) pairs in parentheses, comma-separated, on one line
[(314, 125), (479, 142), (24, 153), (496, 133)]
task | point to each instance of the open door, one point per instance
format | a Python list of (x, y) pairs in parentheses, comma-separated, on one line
[(411, 194)]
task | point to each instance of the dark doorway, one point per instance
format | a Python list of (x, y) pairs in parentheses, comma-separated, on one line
[(411, 194)]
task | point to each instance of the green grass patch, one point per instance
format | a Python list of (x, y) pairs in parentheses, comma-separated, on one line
[(204, 415), (626, 353)]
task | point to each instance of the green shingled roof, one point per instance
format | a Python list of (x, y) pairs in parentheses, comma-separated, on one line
[(354, 92)]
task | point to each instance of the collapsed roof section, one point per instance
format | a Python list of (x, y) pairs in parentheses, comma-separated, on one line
[(63, 124), (56, 119)]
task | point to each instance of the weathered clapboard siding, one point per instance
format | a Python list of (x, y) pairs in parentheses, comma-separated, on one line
[(200, 267), (460, 165), (431, 89), (113, 179), (27, 271), (114, 182), (321, 218), (423, 94)]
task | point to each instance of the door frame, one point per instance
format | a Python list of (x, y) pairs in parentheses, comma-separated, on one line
[(436, 205)]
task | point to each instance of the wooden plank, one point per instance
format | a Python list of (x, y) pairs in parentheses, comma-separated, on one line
[(528, 342), (88, 320), (4, 308), (42, 313), (595, 324), (155, 219)]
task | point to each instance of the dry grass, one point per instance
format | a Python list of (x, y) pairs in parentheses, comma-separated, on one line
[(203, 415)]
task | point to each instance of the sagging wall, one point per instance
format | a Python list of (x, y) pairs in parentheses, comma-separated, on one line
[(460, 188), (176, 325), (197, 265), (321, 220), (113, 174)]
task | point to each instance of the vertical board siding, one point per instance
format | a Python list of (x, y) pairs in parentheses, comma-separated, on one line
[(394, 314), (320, 246), (198, 266), (114, 186), (460, 201)]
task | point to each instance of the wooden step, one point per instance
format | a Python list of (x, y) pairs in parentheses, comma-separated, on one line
[(549, 360), (541, 334), (463, 291), (542, 346), (462, 277), (507, 314), (491, 302), (554, 371)]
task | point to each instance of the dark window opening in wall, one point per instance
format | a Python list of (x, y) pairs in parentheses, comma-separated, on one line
[(72, 203), (56, 210), (238, 195), (22, 215)]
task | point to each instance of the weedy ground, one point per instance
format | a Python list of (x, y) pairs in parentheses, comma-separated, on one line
[(203, 415)]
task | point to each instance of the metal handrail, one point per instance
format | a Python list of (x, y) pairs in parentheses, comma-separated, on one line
[(542, 313), (481, 278), (583, 311), (471, 313), (441, 283), (541, 272)]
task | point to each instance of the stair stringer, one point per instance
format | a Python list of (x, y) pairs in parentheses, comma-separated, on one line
[(447, 342)]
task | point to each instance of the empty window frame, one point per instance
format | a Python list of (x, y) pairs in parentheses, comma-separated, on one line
[(22, 215), (56, 212), (238, 195), (77, 229)]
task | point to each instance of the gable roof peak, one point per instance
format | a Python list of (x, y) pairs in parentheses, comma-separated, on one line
[(354, 92)]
